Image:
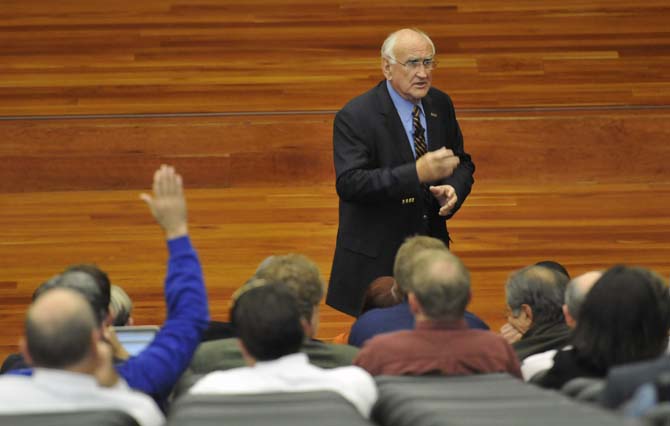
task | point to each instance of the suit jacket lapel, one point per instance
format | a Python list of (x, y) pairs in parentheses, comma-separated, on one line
[(433, 123), (393, 125)]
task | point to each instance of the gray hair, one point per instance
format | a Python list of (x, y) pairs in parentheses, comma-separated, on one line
[(406, 253), (541, 288), (441, 283), (388, 47)]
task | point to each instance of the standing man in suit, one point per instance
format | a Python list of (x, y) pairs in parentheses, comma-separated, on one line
[(400, 165)]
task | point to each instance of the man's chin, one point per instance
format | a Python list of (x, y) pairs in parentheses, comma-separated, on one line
[(419, 94)]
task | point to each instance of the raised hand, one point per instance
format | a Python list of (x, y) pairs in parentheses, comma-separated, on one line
[(168, 204)]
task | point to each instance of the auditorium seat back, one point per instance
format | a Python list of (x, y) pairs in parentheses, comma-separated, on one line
[(78, 418), (487, 399), (322, 408)]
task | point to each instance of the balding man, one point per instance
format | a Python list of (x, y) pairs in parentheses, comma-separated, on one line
[(156, 369), (575, 293), (399, 317), (63, 342), (400, 165), (438, 293)]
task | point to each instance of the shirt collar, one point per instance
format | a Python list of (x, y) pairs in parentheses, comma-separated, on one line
[(285, 362), (52, 376), (441, 325), (402, 105)]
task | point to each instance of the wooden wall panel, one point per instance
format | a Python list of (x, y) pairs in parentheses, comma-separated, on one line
[(502, 227), (568, 147), (564, 105), (208, 56)]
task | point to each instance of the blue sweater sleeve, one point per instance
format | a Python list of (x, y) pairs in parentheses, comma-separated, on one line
[(156, 369)]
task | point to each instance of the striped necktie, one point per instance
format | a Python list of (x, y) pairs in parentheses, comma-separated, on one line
[(421, 148), (419, 138)]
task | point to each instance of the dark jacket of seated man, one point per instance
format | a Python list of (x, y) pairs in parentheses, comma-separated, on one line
[(225, 354)]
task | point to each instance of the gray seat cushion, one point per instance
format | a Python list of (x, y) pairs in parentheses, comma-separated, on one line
[(322, 408), (74, 418)]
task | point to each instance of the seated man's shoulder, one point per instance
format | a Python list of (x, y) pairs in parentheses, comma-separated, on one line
[(397, 340), (487, 336), (225, 381), (380, 320), (352, 375), (475, 322), (216, 355), (328, 355)]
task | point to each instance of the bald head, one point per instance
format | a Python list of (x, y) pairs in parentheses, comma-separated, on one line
[(406, 253), (575, 294), (403, 38), (58, 328), (441, 283)]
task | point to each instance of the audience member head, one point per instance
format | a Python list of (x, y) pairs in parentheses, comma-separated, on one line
[(624, 318), (440, 283), (301, 276), (575, 293), (551, 264), (267, 320), (46, 285), (99, 275), (403, 259), (381, 293), (79, 279), (60, 330), (120, 307), (535, 296)]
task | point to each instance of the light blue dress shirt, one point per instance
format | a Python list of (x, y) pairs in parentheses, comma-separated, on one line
[(404, 108)]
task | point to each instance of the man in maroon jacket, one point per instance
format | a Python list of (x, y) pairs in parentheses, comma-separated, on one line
[(441, 343)]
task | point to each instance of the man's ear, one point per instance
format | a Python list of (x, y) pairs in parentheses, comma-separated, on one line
[(248, 358), (568, 318), (306, 328), (386, 68), (526, 309), (109, 319), (23, 348), (414, 304)]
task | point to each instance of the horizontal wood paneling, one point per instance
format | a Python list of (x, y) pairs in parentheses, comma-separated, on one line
[(502, 227), (583, 182), (569, 147), (204, 56)]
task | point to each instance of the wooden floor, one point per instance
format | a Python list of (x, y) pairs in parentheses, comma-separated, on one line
[(565, 107)]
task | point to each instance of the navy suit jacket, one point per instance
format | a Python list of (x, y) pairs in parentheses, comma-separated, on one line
[(380, 195)]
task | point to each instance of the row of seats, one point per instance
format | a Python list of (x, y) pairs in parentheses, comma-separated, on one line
[(488, 399)]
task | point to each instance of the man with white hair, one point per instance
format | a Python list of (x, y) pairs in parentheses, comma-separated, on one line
[(400, 165)]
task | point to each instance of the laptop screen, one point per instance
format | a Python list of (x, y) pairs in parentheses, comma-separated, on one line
[(135, 338)]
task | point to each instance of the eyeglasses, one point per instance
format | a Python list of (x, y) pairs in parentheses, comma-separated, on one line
[(414, 64)]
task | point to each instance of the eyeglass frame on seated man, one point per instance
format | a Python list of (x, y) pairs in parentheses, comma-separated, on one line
[(429, 64)]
